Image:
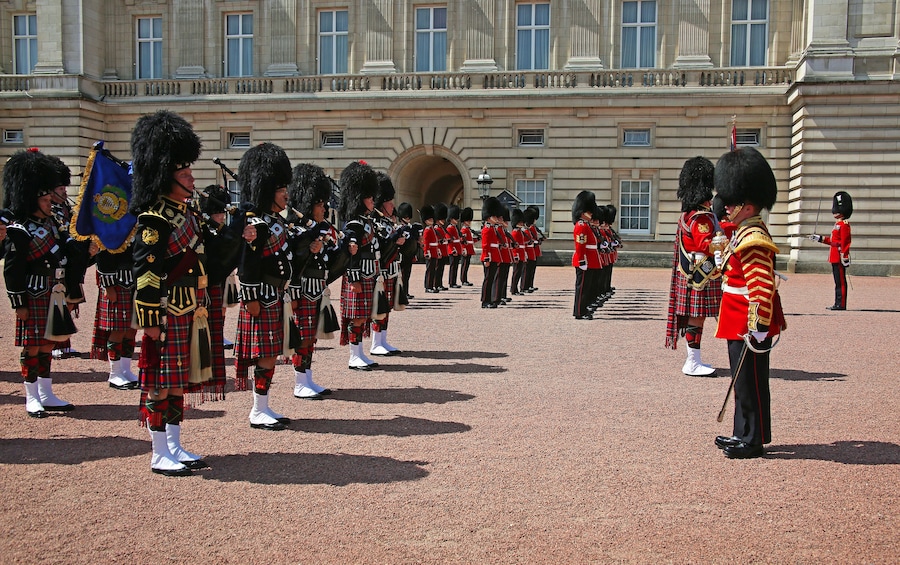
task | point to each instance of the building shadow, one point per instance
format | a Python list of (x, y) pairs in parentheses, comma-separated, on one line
[(846, 452), (416, 395), (399, 426), (69, 451)]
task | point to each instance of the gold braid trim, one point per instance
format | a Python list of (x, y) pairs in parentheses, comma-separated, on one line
[(754, 236)]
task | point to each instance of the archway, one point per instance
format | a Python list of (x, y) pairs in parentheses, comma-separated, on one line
[(426, 175)]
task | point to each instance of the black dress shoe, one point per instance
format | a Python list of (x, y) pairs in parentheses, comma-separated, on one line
[(410, 296), (362, 368), (325, 392), (585, 317), (186, 472), (196, 464), (63, 408), (273, 427), (430, 291), (743, 451), (130, 386), (835, 308), (724, 441), (492, 305), (442, 288), (455, 286), (466, 283), (284, 420)]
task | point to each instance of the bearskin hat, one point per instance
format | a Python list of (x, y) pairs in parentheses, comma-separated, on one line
[(309, 185), (64, 174), (695, 183), (358, 182), (842, 204), (744, 175), (466, 214), (517, 217), (718, 208), (161, 144), (216, 200), (505, 214), (27, 176), (532, 213), (386, 190), (440, 212), (453, 212), (491, 207), (404, 211), (426, 213), (263, 170), (599, 214), (611, 213), (585, 201)]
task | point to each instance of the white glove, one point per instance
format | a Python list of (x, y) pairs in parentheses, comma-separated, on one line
[(759, 336), (717, 256), (582, 265), (845, 261), (815, 237)]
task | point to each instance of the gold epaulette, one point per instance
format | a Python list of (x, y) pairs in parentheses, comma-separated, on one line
[(754, 236)]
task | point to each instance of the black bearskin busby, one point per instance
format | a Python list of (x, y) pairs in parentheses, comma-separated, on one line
[(695, 183), (517, 217), (215, 201), (453, 212), (263, 170), (405, 211), (358, 182), (744, 175), (842, 204), (532, 213), (505, 214), (585, 201), (385, 190), (27, 176), (161, 144), (309, 186), (466, 214), (599, 214), (491, 207), (64, 174), (718, 208), (440, 212), (427, 212), (611, 213)]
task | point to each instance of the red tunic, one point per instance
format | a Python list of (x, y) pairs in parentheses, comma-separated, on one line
[(431, 243), (490, 244), (519, 237), (585, 246), (537, 239), (454, 245), (468, 240), (839, 242)]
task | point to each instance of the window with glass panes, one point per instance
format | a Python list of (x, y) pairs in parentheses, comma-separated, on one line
[(333, 42), (239, 45), (431, 39), (749, 32), (149, 48), (25, 43), (532, 36), (533, 193), (638, 34), (634, 206)]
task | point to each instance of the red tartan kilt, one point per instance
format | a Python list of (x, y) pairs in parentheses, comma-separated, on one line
[(174, 367), (115, 316), (306, 317), (217, 332), (390, 288), (697, 303), (262, 336), (30, 332), (356, 305)]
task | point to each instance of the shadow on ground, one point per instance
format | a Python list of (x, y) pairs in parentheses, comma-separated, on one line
[(796, 375), (416, 395), (847, 452), (69, 451), (399, 426)]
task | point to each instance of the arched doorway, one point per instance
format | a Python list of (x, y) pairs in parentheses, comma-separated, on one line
[(426, 175)]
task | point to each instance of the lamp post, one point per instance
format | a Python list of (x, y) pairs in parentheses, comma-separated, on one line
[(484, 184)]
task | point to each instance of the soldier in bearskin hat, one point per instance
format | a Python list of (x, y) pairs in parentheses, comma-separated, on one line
[(750, 315), (43, 273), (431, 248), (359, 186), (265, 270), (315, 242), (439, 227), (391, 240), (491, 239), (522, 237), (170, 283), (839, 241), (454, 244), (532, 213), (695, 292), (410, 248), (586, 258), (466, 215)]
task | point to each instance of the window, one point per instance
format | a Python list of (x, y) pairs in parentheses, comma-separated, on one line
[(533, 193), (532, 36), (331, 139), (238, 45), (234, 191), (13, 136), (747, 137), (25, 44), (149, 48), (239, 140), (639, 34), (431, 39), (749, 32), (333, 46), (636, 138), (634, 206), (531, 137)]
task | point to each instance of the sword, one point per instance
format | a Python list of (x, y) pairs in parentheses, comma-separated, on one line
[(816, 227)]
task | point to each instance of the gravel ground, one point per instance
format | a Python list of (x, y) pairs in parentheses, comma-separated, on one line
[(515, 435)]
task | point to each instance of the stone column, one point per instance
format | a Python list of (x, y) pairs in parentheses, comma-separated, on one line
[(379, 24), (693, 35), (584, 35), (282, 20), (828, 55), (187, 26), (477, 19), (50, 47)]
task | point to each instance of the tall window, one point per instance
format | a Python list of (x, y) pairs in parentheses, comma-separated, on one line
[(431, 39), (149, 48), (533, 193), (238, 45), (333, 46), (634, 206), (25, 43), (749, 32), (639, 34), (532, 36)]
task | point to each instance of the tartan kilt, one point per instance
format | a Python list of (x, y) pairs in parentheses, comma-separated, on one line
[(306, 317), (30, 332), (357, 304), (174, 366), (115, 316), (697, 303), (262, 336), (390, 287), (216, 295)]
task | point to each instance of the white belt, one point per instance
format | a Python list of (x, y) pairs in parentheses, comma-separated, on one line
[(495, 245), (742, 290), (698, 257), (591, 246), (432, 245)]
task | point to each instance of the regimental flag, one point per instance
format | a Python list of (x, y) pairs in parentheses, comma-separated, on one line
[(101, 211)]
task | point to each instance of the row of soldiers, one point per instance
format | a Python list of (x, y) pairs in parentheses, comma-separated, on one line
[(174, 280), (596, 251)]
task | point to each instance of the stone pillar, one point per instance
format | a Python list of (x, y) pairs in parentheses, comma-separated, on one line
[(477, 19), (798, 31), (50, 48), (282, 20), (828, 55), (379, 25), (693, 35), (584, 35), (187, 26)]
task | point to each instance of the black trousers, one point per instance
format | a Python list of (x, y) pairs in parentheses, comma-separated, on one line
[(585, 282), (489, 291), (840, 284), (464, 268), (454, 269), (752, 402)]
